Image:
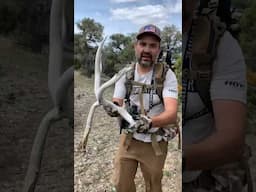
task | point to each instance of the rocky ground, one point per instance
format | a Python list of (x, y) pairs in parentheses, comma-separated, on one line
[(93, 170)]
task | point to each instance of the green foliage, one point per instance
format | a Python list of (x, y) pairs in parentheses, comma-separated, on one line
[(178, 68), (248, 45), (85, 44), (90, 30), (77, 64), (172, 39), (119, 52), (247, 36), (178, 73)]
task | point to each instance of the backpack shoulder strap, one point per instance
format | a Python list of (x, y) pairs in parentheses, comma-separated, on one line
[(128, 82), (160, 75), (205, 39)]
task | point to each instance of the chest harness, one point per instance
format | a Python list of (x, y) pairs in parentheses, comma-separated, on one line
[(156, 87)]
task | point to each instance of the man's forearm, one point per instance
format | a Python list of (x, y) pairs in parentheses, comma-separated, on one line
[(226, 144), (163, 119), (218, 152), (169, 116)]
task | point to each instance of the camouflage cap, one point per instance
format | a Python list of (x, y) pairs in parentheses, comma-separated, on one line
[(151, 29)]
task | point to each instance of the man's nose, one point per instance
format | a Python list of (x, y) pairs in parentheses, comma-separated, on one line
[(146, 49)]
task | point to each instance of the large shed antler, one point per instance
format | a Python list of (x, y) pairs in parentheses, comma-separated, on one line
[(58, 85), (99, 90)]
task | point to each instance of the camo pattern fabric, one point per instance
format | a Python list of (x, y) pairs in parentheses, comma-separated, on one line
[(169, 133), (229, 178)]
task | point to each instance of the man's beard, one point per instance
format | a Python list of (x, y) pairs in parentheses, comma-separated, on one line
[(143, 63), (146, 63)]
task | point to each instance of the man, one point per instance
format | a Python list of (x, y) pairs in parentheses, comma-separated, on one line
[(146, 143), (213, 141)]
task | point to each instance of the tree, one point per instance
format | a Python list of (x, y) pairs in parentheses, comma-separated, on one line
[(91, 31), (171, 42), (119, 52), (86, 42), (119, 41)]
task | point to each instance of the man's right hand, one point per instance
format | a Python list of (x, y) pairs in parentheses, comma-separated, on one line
[(143, 124), (110, 111)]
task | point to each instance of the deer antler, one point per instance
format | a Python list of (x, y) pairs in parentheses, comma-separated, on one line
[(99, 90)]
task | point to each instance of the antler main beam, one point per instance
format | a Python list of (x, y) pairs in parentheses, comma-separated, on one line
[(99, 90)]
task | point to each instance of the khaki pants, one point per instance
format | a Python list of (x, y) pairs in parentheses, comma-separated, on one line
[(127, 161)]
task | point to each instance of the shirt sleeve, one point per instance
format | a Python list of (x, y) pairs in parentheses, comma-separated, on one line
[(229, 71), (170, 85), (120, 89)]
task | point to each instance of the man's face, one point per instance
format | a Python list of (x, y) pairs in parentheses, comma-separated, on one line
[(147, 49)]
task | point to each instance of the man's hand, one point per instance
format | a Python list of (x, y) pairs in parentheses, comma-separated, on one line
[(110, 111), (143, 124)]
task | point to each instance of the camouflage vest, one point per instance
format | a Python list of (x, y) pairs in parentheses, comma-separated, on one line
[(159, 75)]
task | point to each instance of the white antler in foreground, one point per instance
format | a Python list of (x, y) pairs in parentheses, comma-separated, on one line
[(99, 90)]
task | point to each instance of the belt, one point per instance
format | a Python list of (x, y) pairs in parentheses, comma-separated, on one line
[(155, 144)]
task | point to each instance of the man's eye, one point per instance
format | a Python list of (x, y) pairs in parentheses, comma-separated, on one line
[(153, 45)]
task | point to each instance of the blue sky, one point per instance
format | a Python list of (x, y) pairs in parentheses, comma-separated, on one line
[(127, 16)]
